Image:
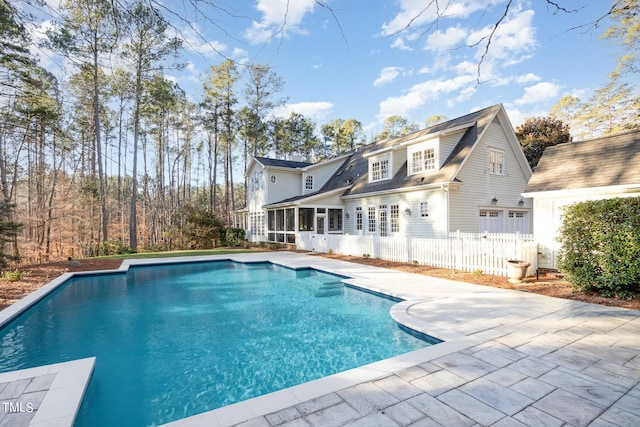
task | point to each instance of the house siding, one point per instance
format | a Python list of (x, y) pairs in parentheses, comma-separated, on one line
[(447, 144), (479, 186), (287, 185), (258, 197), (548, 220), (398, 158), (321, 175), (413, 225)]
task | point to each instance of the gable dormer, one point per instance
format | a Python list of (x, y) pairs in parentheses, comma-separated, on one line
[(385, 163), (423, 157)]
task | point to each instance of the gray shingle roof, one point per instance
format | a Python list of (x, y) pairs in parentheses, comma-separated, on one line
[(601, 162), (265, 161), (356, 168), (354, 171)]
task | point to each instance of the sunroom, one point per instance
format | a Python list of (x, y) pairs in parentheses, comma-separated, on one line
[(297, 220)]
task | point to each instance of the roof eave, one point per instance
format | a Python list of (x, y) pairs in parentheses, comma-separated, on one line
[(564, 192), (430, 186), (306, 199)]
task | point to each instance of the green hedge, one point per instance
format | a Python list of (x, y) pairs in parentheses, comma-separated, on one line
[(600, 250)]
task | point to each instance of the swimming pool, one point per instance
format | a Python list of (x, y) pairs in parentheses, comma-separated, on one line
[(176, 340)]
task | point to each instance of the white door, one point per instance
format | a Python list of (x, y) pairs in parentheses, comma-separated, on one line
[(491, 221), (518, 222)]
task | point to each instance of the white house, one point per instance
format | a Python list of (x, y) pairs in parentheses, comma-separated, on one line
[(602, 168), (465, 174)]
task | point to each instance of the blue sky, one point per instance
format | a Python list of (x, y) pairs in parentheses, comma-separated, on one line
[(364, 62)]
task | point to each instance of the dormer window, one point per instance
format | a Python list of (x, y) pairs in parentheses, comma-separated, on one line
[(379, 169), (422, 158), (308, 182)]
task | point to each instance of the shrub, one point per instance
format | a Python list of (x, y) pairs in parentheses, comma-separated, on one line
[(114, 247), (203, 229), (234, 236), (600, 250), (11, 276)]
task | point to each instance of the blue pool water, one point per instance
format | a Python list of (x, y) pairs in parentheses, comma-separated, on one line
[(176, 340)]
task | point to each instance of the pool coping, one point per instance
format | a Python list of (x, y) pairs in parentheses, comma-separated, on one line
[(63, 384), (452, 342)]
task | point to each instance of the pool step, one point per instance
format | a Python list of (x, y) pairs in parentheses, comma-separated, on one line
[(330, 289)]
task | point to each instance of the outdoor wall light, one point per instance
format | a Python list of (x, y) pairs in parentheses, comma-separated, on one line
[(346, 215), (494, 200), (407, 212), (521, 202)]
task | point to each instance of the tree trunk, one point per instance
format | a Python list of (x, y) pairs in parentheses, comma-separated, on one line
[(98, 139), (133, 226)]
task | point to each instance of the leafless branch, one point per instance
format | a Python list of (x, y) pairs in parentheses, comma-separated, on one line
[(489, 39)]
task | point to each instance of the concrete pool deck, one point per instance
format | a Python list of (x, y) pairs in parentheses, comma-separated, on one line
[(510, 358)]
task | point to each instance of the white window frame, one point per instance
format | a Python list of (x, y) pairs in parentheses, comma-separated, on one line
[(308, 182), (422, 158), (495, 161), (371, 219), (424, 209), (394, 215), (380, 168), (383, 220), (359, 219)]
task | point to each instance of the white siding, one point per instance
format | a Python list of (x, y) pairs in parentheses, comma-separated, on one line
[(479, 186), (398, 157), (256, 193), (448, 143), (328, 201), (548, 220), (287, 185), (413, 225), (321, 175)]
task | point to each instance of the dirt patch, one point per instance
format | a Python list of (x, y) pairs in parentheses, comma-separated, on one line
[(36, 276)]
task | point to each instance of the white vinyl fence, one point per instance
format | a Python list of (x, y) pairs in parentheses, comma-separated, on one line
[(488, 253)]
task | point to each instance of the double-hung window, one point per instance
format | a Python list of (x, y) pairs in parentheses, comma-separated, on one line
[(395, 218), (496, 162), (308, 182), (372, 219), (379, 169)]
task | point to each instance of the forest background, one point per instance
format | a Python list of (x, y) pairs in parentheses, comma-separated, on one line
[(117, 158)]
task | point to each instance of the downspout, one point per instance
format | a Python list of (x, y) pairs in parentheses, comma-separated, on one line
[(446, 205)]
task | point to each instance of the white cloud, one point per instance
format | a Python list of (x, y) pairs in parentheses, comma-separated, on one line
[(517, 116), (515, 36), (413, 14), (430, 90), (440, 41), (528, 78), (315, 110), (540, 92), (194, 42), (279, 18), (387, 75), (440, 63), (399, 43)]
